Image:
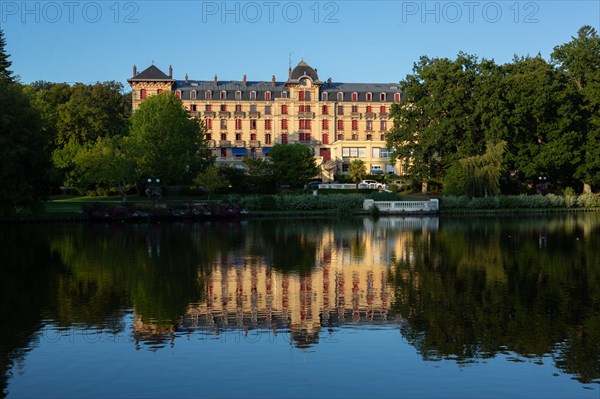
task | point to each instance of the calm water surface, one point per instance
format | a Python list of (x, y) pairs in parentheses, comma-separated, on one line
[(398, 307)]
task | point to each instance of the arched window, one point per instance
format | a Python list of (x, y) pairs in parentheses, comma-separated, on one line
[(340, 96), (193, 95), (284, 94), (178, 94), (369, 96), (396, 97), (382, 97), (223, 95), (355, 96), (324, 96), (253, 95), (238, 95), (208, 95), (268, 96)]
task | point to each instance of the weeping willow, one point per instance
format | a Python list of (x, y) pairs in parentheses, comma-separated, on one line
[(483, 171)]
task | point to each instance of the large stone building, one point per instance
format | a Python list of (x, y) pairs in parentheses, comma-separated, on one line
[(340, 121)]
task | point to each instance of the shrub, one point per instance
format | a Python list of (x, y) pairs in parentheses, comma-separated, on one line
[(555, 201), (453, 201), (484, 203), (589, 200)]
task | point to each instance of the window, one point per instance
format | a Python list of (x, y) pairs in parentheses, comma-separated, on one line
[(340, 136), (284, 138), (325, 138), (238, 124), (193, 107), (252, 107), (253, 137), (383, 109), (284, 109), (382, 137), (369, 125), (223, 123), (383, 126), (178, 94), (193, 95), (208, 108), (355, 137), (353, 152), (268, 138), (376, 152), (369, 137), (252, 152), (223, 136), (208, 95), (340, 124), (223, 95), (304, 124), (325, 110), (355, 109), (238, 137), (354, 124), (253, 95), (325, 124), (159, 91), (223, 108), (382, 97), (324, 96), (208, 136), (369, 96), (301, 95), (268, 124), (224, 152), (209, 124), (253, 124), (238, 95), (238, 107), (396, 97), (143, 94), (369, 109), (340, 96), (267, 110), (340, 110), (354, 96), (284, 124), (284, 94), (385, 153), (304, 108)]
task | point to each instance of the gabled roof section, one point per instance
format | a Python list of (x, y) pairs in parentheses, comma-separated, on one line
[(151, 73)]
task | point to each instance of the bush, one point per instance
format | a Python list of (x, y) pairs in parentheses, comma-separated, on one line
[(453, 201), (589, 200), (384, 196), (555, 201), (484, 203)]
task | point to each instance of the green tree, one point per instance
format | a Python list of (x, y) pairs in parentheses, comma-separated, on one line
[(580, 60), (293, 164), (357, 170), (165, 142), (211, 179), (5, 63), (483, 171), (23, 150)]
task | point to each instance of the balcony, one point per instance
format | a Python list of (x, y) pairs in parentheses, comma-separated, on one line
[(384, 115), (240, 143), (370, 115), (254, 114), (224, 114), (194, 114), (239, 114), (254, 143), (211, 143), (306, 115), (210, 114), (355, 114), (224, 143)]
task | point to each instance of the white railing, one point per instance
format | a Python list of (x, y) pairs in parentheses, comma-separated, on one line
[(337, 186), (431, 205)]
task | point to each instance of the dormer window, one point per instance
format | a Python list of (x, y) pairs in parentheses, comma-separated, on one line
[(178, 94), (396, 97), (223, 95), (208, 95), (253, 95), (369, 96), (284, 94), (354, 97), (340, 96), (193, 95), (238, 95), (268, 96), (382, 97), (324, 96)]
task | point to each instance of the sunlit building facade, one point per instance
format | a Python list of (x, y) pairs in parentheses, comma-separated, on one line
[(340, 121)]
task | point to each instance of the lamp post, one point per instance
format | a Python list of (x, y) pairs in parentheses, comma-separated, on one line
[(154, 192)]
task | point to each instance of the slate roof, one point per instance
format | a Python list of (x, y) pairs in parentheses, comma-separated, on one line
[(151, 73)]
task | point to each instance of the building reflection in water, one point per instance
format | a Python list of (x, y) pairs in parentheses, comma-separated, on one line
[(348, 285)]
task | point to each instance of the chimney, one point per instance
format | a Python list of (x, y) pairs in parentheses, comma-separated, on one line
[(273, 81), (186, 78), (290, 73), (216, 81), (244, 81), (134, 70), (170, 71), (329, 82)]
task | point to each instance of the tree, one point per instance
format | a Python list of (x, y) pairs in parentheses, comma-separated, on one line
[(23, 150), (580, 60), (211, 179), (357, 170), (293, 164), (5, 63), (483, 171), (165, 142)]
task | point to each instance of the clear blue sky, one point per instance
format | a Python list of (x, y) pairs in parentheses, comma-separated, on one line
[(351, 41)]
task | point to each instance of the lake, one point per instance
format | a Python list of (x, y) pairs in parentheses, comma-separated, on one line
[(468, 307)]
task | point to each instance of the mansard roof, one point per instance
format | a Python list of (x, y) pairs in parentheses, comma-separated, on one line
[(303, 69), (152, 73)]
